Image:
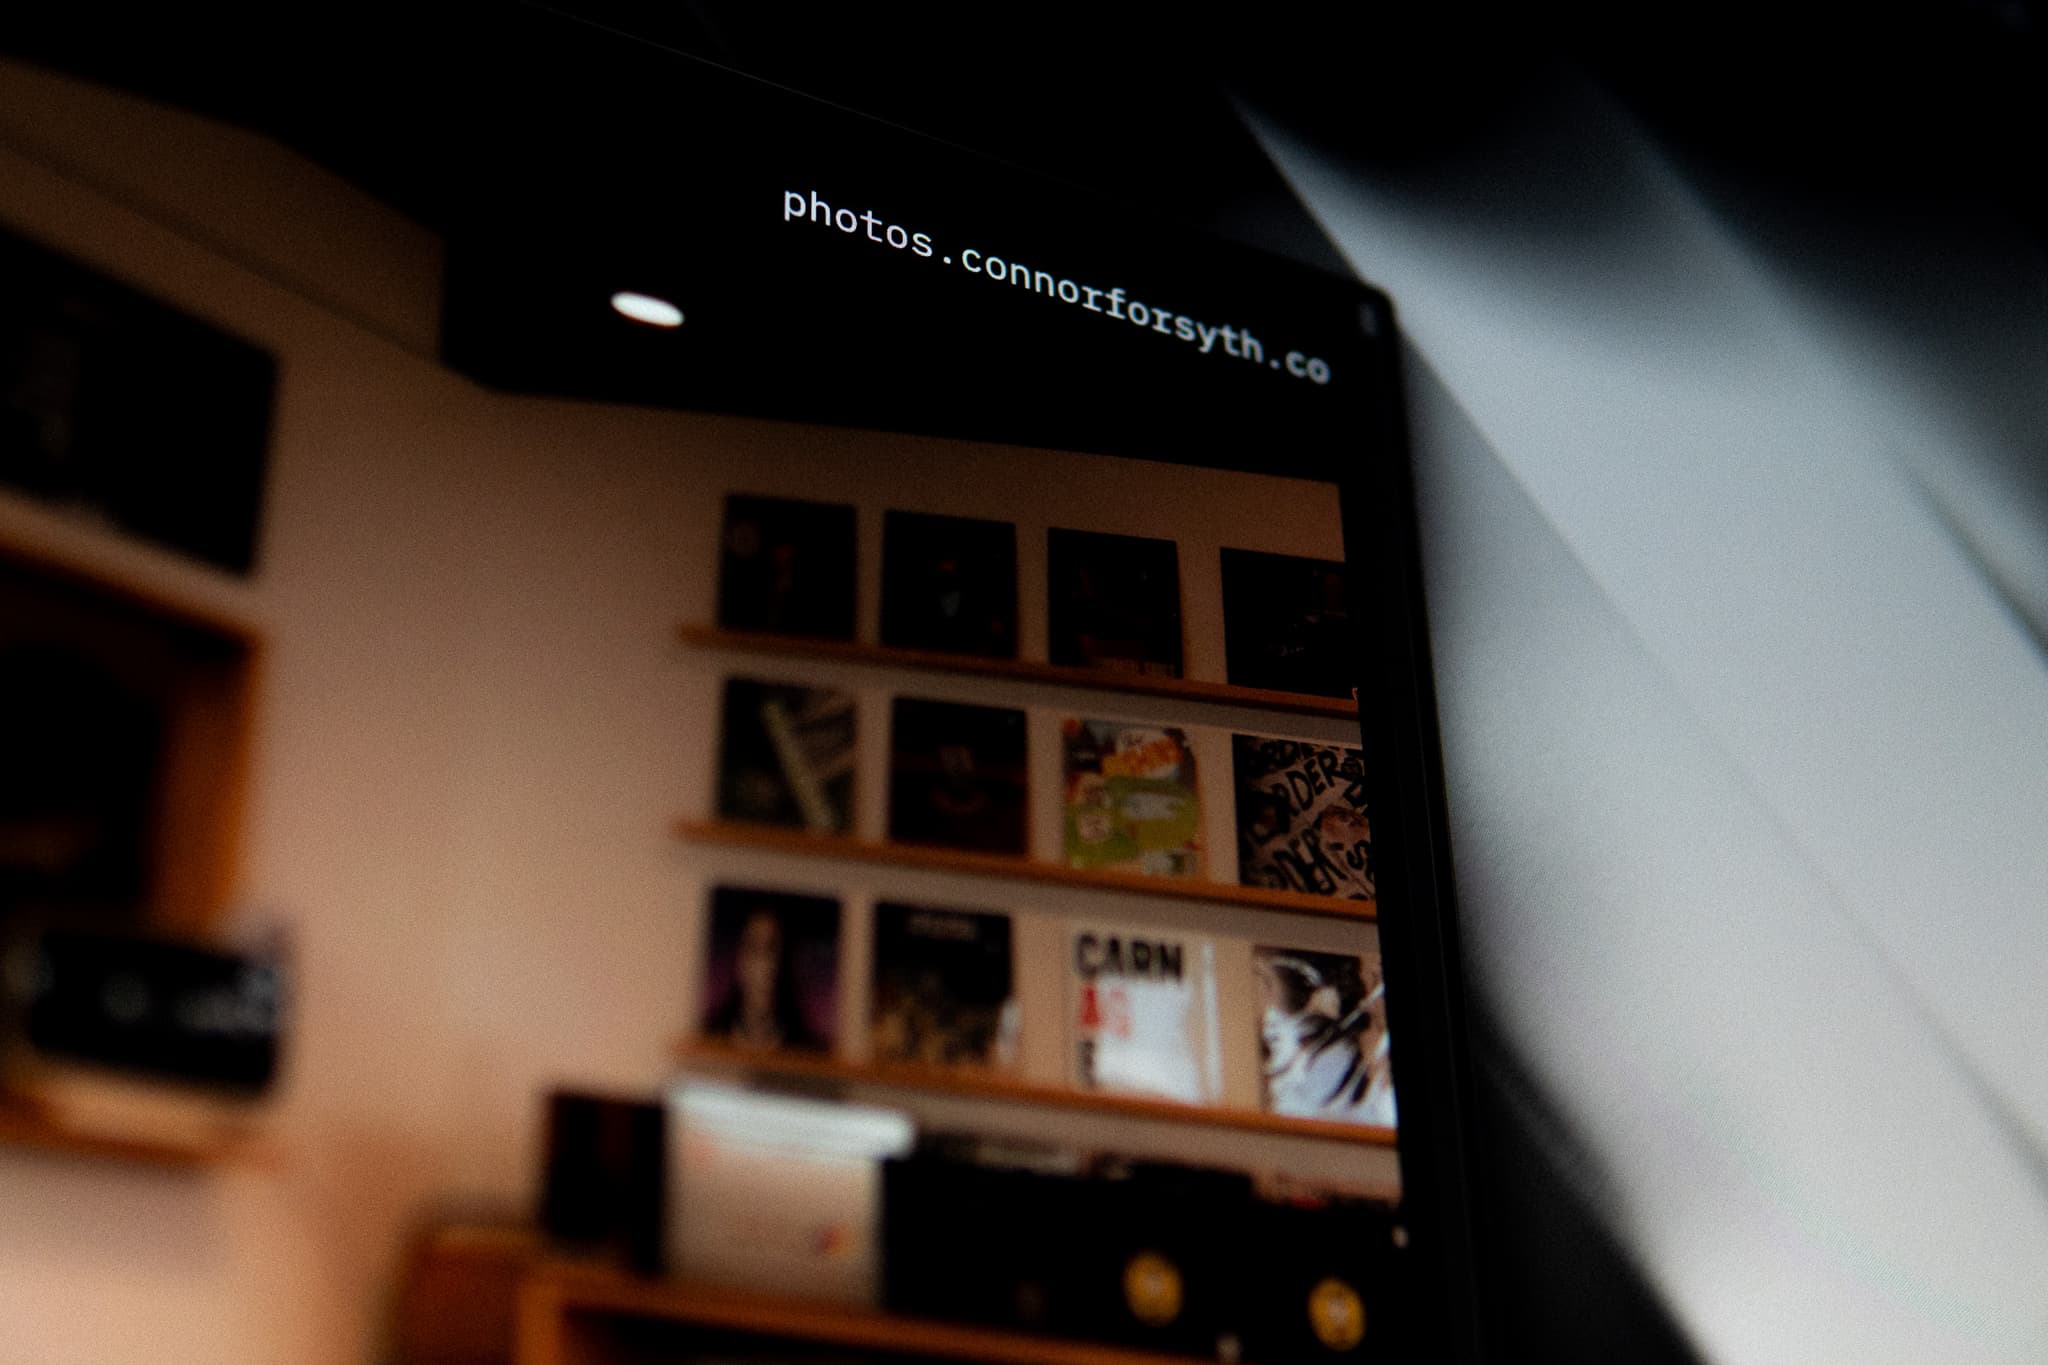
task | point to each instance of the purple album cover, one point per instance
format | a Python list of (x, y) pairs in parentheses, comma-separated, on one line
[(772, 972)]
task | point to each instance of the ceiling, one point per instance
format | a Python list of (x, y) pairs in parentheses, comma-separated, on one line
[(1915, 102)]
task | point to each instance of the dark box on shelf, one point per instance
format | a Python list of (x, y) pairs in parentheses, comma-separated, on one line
[(1142, 1254), (154, 1007), (1314, 1278), (1164, 1258), (984, 1232), (602, 1189)]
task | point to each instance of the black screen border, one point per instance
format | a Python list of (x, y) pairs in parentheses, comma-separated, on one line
[(1358, 444)]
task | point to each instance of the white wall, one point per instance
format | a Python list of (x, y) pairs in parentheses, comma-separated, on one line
[(465, 761), (1748, 758), (476, 732)]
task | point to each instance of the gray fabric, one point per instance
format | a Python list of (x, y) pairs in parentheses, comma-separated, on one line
[(1747, 754)]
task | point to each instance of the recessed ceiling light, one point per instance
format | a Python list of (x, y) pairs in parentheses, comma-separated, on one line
[(648, 309)]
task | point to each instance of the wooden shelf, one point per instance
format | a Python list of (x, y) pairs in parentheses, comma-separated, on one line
[(1017, 670), (555, 1293), (994, 1086), (195, 674), (25, 1125), (845, 848), (145, 575)]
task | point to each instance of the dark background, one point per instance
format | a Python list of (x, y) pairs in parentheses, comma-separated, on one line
[(1844, 114), (1843, 104)]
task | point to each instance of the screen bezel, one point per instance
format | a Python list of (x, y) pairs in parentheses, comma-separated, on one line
[(544, 336)]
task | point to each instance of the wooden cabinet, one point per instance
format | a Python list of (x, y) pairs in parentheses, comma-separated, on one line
[(492, 1296), (126, 712)]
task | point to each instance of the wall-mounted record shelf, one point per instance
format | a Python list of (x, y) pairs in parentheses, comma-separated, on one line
[(1017, 670), (26, 1125), (959, 1081), (845, 848), (149, 576), (563, 1308)]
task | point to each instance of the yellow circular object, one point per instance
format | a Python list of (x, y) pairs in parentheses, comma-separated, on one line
[(1152, 1288), (1336, 1314)]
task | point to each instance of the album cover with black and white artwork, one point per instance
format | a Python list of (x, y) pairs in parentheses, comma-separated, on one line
[(1301, 817), (786, 756), (1323, 1048)]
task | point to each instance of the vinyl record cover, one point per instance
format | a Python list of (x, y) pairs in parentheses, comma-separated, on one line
[(950, 584), (1143, 1013), (786, 756), (787, 566), (771, 979), (1323, 1036), (1132, 803), (950, 1193), (1114, 602), (943, 992), (1301, 817), (956, 776), (1286, 625)]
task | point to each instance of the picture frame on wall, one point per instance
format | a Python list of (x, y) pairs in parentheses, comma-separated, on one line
[(787, 567), (944, 988), (949, 584), (787, 755), (1323, 1043), (771, 971), (957, 776), (1131, 801), (1287, 624), (1143, 1012), (1113, 602), (1303, 817)]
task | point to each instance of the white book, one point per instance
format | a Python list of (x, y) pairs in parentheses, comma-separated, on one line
[(1142, 1013)]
